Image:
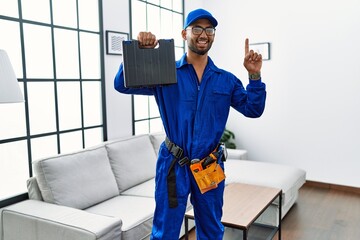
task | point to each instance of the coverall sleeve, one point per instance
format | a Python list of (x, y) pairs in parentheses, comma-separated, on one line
[(120, 86), (249, 102)]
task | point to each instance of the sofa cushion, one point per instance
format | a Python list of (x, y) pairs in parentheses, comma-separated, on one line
[(145, 189), (133, 160), (135, 212), (78, 180)]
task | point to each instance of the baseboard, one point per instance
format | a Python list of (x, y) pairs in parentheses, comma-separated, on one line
[(332, 186)]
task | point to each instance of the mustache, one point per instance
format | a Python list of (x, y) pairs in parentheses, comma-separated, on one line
[(203, 39)]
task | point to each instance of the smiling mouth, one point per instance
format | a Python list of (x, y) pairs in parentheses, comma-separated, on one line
[(202, 42)]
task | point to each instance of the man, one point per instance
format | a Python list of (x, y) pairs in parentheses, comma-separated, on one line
[(194, 113)]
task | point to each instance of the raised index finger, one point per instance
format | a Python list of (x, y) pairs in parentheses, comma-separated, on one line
[(246, 46)]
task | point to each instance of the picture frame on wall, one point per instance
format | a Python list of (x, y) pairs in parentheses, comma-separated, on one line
[(114, 42), (262, 48)]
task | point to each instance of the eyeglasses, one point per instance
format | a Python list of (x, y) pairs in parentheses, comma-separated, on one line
[(210, 31)]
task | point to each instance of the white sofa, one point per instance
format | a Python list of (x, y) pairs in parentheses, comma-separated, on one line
[(107, 192)]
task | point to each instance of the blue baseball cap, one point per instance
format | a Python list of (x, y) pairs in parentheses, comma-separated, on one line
[(197, 14)]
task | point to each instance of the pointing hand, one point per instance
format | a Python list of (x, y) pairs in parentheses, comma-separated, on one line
[(252, 60)]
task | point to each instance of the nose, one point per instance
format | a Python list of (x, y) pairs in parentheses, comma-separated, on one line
[(203, 33)]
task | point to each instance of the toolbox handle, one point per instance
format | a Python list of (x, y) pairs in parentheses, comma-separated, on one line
[(160, 41)]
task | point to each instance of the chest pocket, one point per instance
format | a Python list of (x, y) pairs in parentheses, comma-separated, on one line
[(221, 97)]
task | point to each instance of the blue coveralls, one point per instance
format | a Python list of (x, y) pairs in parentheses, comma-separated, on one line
[(194, 116)]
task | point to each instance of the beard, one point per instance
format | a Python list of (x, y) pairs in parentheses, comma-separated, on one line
[(193, 48)]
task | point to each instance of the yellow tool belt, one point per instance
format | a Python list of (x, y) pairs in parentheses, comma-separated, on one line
[(207, 171)]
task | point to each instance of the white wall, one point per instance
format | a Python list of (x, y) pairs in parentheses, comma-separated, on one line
[(313, 81), (116, 17), (312, 113)]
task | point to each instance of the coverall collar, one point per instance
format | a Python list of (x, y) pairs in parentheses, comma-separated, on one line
[(182, 62)]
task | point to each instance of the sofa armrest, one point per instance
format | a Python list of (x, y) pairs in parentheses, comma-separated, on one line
[(237, 154), (36, 220)]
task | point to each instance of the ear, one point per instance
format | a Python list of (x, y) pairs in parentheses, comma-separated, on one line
[(183, 34)]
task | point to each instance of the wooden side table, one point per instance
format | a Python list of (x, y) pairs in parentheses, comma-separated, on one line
[(243, 204)]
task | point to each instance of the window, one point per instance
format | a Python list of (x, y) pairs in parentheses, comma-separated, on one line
[(56, 51), (165, 19)]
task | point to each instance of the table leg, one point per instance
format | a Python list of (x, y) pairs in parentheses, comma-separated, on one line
[(245, 232), (186, 229), (280, 201)]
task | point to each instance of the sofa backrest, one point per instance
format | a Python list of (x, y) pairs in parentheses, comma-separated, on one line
[(78, 180), (157, 139), (75, 180), (33, 189), (133, 160)]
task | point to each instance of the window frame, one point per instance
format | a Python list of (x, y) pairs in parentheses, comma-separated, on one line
[(149, 118), (24, 81)]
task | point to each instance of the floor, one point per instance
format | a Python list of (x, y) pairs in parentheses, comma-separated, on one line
[(321, 214)]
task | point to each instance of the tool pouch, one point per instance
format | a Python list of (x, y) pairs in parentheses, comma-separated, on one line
[(209, 178)]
